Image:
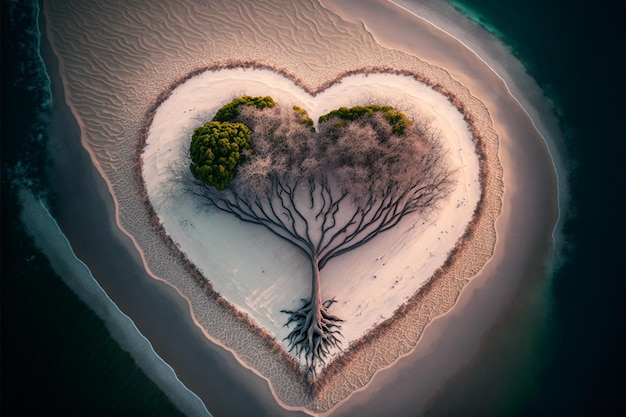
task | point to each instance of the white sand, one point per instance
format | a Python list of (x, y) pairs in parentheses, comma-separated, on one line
[(261, 274)]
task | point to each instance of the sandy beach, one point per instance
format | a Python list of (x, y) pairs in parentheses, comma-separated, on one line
[(110, 97)]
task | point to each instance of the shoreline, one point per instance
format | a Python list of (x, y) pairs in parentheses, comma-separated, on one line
[(515, 78), (117, 208), (484, 287), (381, 331), (172, 306)]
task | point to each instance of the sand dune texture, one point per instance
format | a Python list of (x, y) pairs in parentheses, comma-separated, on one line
[(118, 59)]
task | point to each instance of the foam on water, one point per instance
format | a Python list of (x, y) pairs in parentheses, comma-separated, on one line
[(76, 275), (520, 84)]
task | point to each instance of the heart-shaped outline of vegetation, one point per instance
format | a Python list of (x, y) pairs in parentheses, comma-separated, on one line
[(326, 191), (384, 342)]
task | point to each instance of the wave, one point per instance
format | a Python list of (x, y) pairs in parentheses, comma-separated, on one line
[(477, 37), (54, 244), (25, 156)]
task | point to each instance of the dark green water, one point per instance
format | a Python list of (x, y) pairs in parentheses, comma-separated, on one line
[(572, 362), (57, 355)]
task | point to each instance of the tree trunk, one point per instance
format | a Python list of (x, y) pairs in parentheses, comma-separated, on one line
[(316, 332), (316, 288)]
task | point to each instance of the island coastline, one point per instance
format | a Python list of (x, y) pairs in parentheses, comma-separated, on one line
[(320, 409), (409, 311)]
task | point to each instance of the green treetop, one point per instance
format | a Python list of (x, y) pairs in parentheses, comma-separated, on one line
[(220, 146), (304, 117), (398, 120), (230, 111), (217, 148)]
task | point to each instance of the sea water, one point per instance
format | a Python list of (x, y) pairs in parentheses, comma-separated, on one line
[(558, 350), (58, 355)]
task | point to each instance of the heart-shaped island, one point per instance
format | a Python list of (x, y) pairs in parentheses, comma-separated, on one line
[(325, 193), (318, 216)]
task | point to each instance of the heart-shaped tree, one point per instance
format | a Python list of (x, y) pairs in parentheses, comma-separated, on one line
[(325, 192)]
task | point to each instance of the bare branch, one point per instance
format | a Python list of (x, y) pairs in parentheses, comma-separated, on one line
[(329, 193)]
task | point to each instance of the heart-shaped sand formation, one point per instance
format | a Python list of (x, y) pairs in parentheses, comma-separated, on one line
[(258, 249)]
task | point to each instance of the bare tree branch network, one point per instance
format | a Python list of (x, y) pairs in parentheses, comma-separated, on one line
[(330, 192)]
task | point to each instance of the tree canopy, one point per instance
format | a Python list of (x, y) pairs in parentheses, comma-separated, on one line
[(217, 149), (398, 120), (378, 147), (325, 192), (304, 117), (230, 111)]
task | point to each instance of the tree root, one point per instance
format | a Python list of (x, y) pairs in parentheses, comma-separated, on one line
[(315, 334)]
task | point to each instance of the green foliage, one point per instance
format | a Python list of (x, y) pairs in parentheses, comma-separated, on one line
[(304, 118), (217, 148), (396, 119), (300, 111), (230, 111)]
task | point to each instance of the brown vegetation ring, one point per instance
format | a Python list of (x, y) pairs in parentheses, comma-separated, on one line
[(331, 385)]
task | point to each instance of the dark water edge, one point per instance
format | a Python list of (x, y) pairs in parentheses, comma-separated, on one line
[(57, 355), (559, 348)]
